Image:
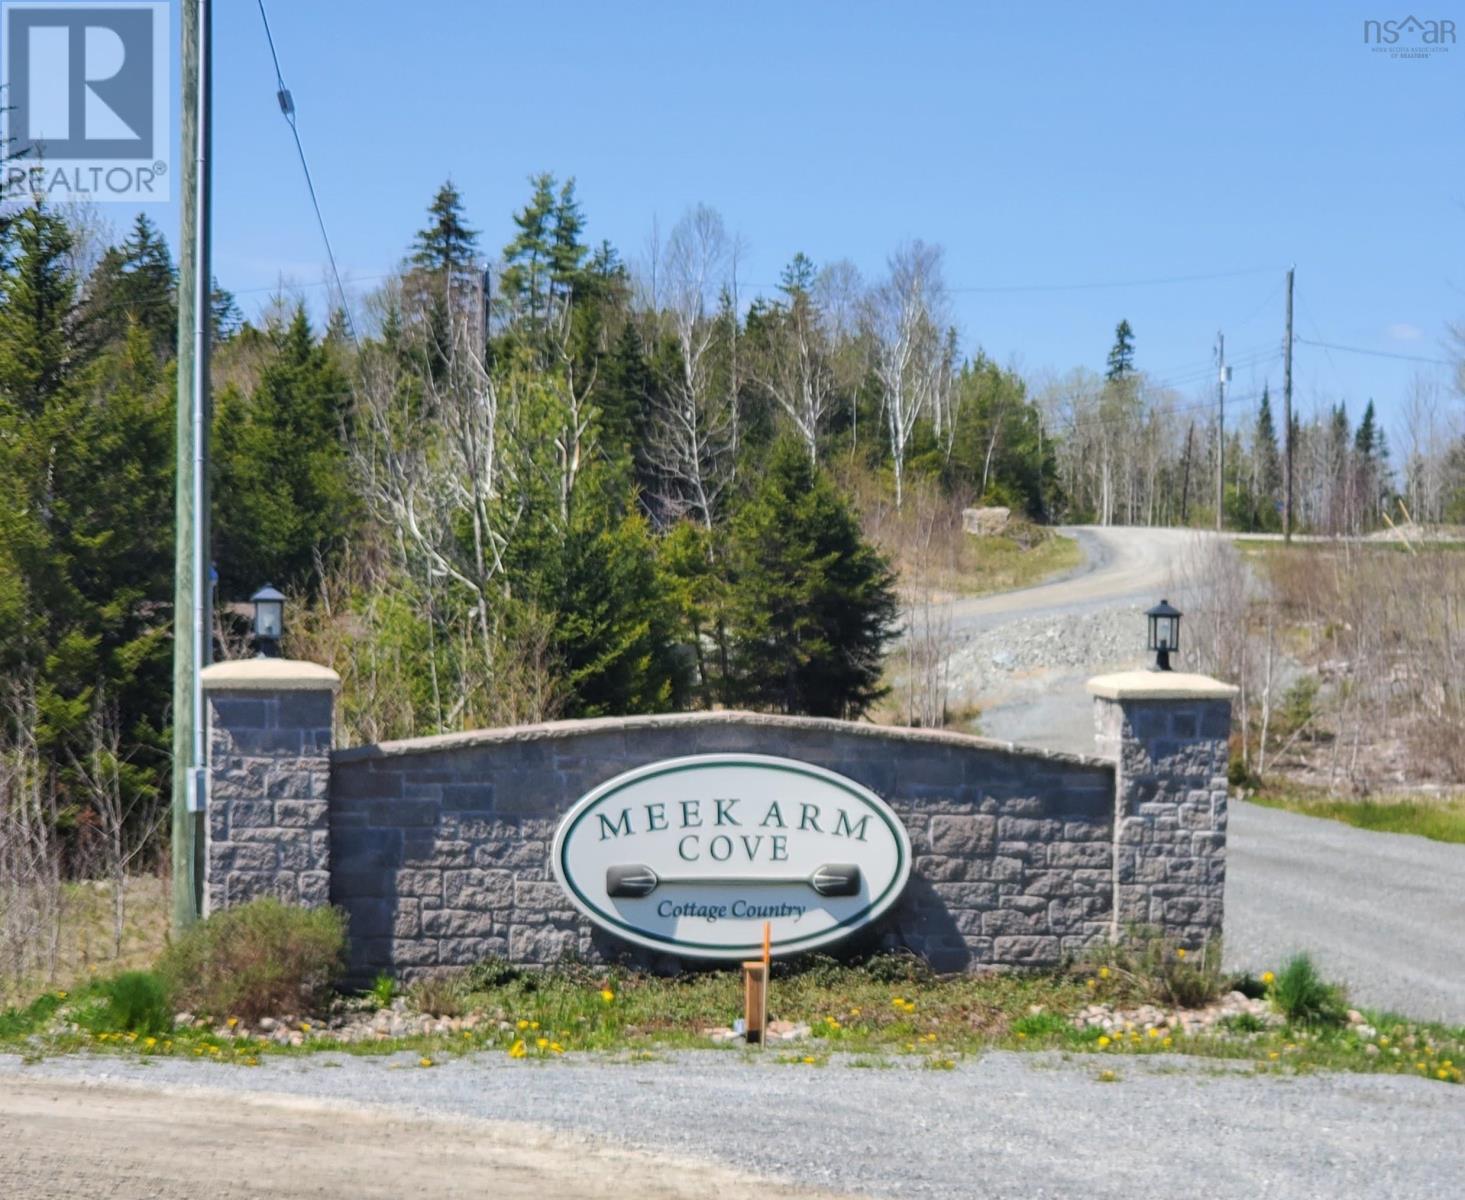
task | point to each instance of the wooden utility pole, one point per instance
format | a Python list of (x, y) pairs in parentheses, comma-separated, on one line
[(1287, 417), (192, 616), (1185, 478), (1221, 433)]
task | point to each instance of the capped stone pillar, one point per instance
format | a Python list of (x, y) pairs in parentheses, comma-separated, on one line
[(270, 733), (1168, 734)]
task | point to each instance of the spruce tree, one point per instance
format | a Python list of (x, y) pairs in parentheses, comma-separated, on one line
[(811, 604), (1268, 464), (1121, 354), (446, 246)]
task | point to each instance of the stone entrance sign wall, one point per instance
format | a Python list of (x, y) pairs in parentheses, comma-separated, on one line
[(438, 849)]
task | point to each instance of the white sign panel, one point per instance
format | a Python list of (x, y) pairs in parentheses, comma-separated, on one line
[(693, 855)]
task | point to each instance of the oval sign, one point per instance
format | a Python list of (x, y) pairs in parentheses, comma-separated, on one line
[(693, 855)]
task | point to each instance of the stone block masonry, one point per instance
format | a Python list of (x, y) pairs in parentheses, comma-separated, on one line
[(267, 827), (438, 848)]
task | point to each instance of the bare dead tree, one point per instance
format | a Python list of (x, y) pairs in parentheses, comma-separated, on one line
[(125, 820), (693, 429)]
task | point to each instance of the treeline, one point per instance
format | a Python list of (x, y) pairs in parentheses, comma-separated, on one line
[(1131, 451)]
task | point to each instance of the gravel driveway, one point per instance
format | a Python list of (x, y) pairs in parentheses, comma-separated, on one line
[(1006, 1126)]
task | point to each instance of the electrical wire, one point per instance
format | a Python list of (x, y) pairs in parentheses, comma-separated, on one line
[(287, 109), (1419, 358)]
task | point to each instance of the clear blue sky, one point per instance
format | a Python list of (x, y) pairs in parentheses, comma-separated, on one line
[(1038, 143)]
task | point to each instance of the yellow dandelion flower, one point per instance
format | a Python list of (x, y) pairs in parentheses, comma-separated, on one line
[(898, 1001), (810, 1059), (541, 1042), (1093, 983), (1274, 1056), (232, 1022), (468, 1034), (1180, 952), (199, 1050), (424, 1061), (854, 1012), (304, 1026), (1420, 1067), (1383, 1041), (1103, 1041), (556, 1048), (517, 1050), (607, 995), (61, 995), (1152, 1032), (1442, 1074), (1022, 1037), (1268, 978), (1167, 1042), (523, 1024), (1103, 972)]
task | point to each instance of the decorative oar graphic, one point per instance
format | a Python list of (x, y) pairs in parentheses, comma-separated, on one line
[(633, 881)]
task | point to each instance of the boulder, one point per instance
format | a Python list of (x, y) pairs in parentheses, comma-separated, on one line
[(985, 522)]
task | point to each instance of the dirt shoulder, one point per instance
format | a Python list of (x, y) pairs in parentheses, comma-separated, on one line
[(64, 1140)]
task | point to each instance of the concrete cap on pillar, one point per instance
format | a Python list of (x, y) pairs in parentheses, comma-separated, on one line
[(1159, 685), (269, 675)]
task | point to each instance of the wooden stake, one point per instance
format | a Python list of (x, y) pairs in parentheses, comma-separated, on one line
[(755, 1001)]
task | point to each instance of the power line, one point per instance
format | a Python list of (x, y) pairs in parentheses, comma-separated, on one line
[(1439, 362), (287, 108)]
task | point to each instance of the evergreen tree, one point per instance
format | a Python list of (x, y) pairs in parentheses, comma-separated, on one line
[(529, 257), (283, 491), (446, 247), (1121, 354), (1268, 463), (134, 283), (811, 604), (37, 297)]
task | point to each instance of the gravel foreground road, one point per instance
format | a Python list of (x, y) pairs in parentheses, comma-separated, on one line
[(1008, 1125)]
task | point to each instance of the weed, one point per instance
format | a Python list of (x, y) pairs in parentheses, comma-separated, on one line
[(135, 1002), (1302, 995), (383, 990), (442, 994), (1158, 970)]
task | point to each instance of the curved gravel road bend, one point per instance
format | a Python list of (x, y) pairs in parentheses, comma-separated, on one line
[(1007, 1126)]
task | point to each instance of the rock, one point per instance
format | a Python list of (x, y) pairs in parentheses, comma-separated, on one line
[(1355, 1017), (1371, 1050), (182, 1019), (985, 522), (267, 1024)]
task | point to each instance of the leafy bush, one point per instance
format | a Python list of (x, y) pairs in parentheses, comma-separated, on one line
[(264, 958), (442, 994), (1302, 995), (134, 1002), (1158, 970), (899, 966)]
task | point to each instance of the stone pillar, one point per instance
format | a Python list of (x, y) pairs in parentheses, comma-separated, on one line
[(269, 774), (1168, 734)]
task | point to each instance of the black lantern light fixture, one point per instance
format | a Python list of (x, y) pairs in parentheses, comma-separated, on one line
[(1164, 633), (269, 621)]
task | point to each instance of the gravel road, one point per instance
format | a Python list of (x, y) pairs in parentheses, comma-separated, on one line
[(1007, 1125), (1385, 912)]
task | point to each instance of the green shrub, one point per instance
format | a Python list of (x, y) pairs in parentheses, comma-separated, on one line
[(1301, 995), (1043, 1025), (899, 966), (264, 958), (134, 1002)]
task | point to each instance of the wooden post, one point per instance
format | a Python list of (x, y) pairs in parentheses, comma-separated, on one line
[(755, 1001)]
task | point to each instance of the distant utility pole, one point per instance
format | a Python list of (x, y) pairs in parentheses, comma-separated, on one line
[(192, 616), (1222, 379), (1287, 417), (1185, 478)]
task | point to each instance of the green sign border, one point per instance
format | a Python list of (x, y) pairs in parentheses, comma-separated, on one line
[(593, 800)]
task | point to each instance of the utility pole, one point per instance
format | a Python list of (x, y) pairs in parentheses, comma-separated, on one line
[(1287, 417), (192, 616), (1222, 379), (1185, 478)]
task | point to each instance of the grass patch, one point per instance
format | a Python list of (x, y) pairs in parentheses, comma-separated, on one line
[(1022, 558), (1440, 819), (872, 1017)]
